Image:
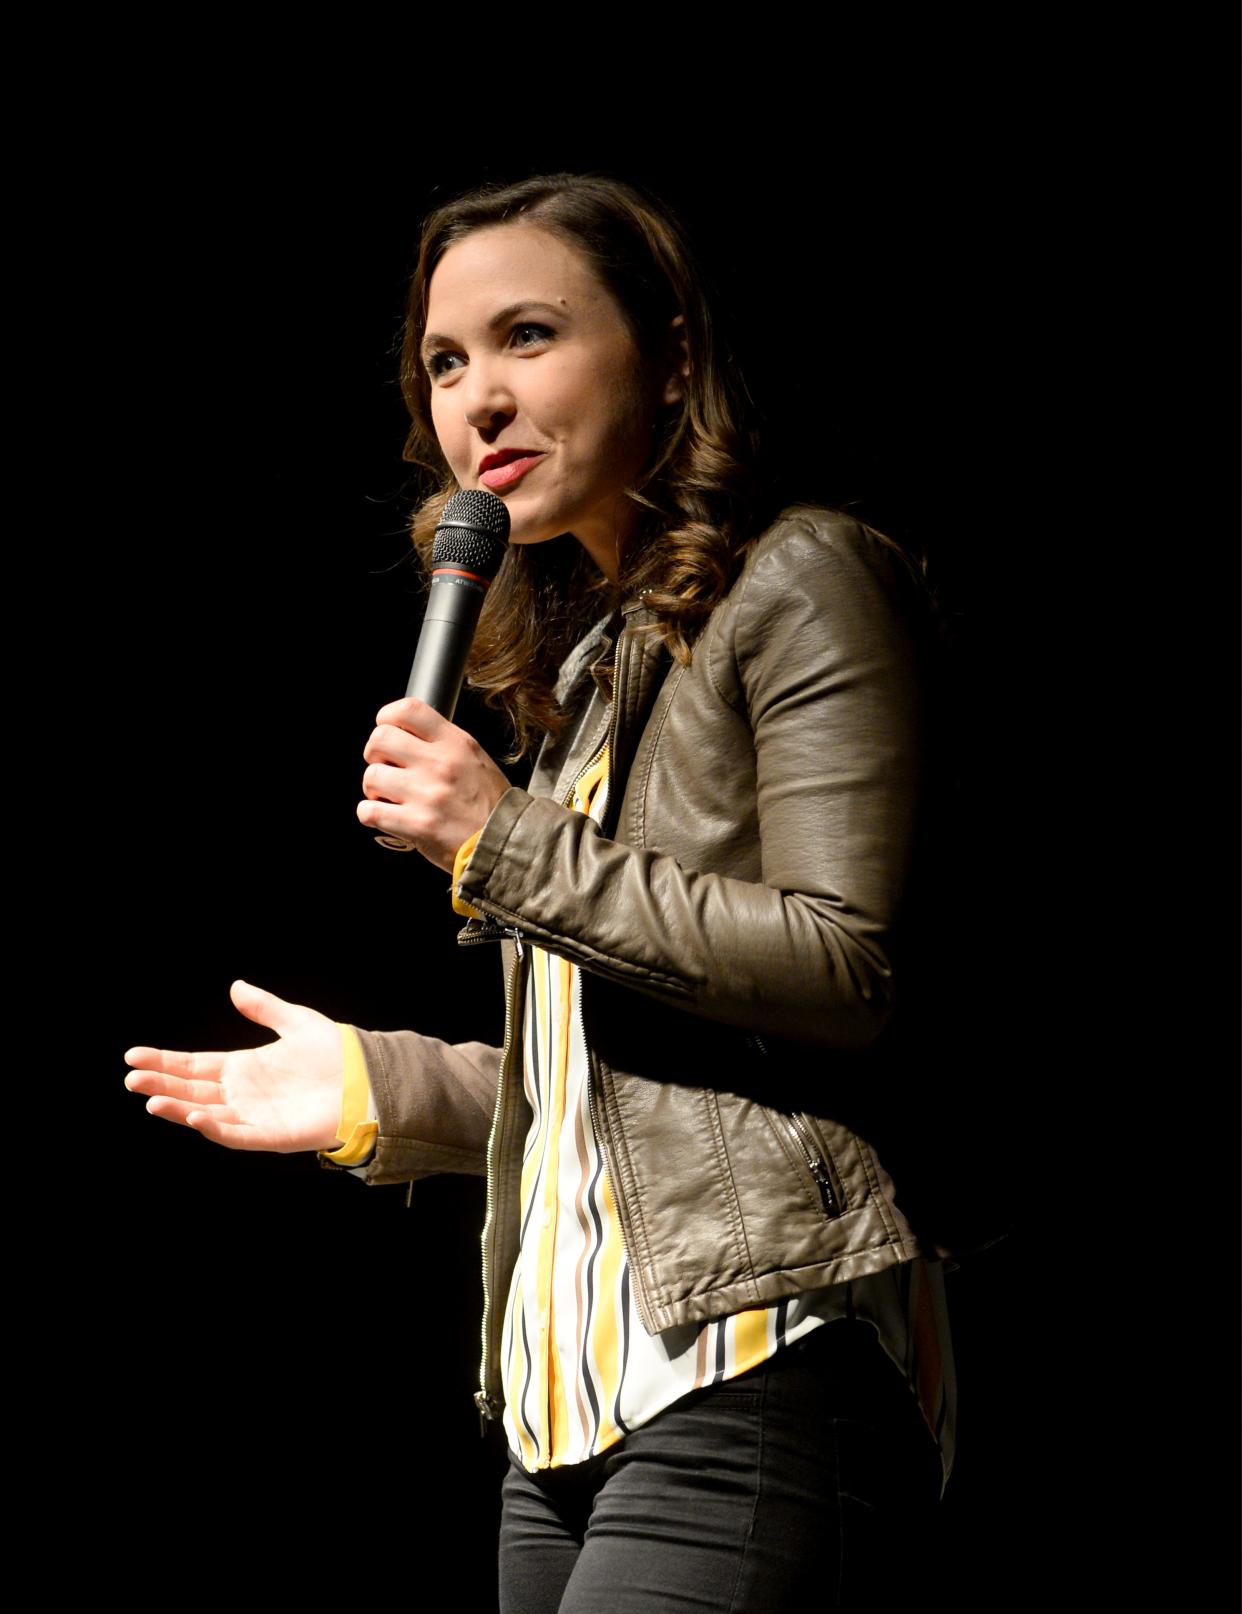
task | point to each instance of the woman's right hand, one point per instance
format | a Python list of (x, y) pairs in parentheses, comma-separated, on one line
[(284, 1096)]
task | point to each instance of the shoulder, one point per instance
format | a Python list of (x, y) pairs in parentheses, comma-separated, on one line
[(813, 562), (811, 538), (820, 596)]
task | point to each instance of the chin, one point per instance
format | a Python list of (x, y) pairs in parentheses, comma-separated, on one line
[(533, 531)]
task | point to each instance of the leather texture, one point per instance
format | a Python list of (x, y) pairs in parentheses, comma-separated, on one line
[(734, 918)]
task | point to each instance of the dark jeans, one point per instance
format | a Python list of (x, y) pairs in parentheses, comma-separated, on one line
[(809, 1482)]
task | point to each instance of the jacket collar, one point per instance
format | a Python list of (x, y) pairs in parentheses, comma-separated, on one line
[(578, 663), (597, 643)]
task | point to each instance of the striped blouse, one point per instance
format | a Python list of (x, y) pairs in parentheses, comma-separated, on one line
[(579, 1368)]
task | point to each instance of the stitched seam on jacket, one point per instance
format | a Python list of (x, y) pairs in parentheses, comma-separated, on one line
[(734, 1207), (645, 778), (877, 1193), (399, 1143), (889, 1242), (633, 1195), (378, 1050)]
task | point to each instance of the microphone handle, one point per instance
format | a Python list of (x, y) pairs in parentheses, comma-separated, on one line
[(439, 669), (444, 642)]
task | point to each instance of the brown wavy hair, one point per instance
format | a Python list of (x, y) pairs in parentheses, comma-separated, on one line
[(697, 497)]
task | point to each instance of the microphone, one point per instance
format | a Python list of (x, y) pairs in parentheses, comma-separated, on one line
[(470, 543)]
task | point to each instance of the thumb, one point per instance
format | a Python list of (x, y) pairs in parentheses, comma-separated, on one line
[(265, 1008)]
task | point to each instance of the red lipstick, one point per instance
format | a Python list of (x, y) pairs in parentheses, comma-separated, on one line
[(502, 469)]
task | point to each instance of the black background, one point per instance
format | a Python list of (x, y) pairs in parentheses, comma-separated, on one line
[(943, 286)]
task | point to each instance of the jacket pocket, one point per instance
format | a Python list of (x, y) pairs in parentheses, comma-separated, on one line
[(801, 1142)]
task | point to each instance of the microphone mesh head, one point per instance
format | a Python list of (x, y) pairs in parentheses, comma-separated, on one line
[(473, 532)]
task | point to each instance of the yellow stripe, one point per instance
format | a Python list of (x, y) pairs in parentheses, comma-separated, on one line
[(750, 1339), (589, 781), (558, 1410), (541, 1176)]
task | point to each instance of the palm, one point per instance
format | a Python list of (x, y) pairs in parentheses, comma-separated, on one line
[(283, 1096), (270, 1091)]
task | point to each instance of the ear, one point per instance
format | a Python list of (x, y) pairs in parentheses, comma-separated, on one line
[(677, 360)]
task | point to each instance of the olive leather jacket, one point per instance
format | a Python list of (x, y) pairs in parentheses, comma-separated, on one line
[(735, 918)]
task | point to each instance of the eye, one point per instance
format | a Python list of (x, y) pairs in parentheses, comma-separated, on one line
[(527, 335), (440, 363)]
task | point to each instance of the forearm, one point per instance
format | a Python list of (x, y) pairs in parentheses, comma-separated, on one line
[(433, 1101), (807, 698), (747, 954)]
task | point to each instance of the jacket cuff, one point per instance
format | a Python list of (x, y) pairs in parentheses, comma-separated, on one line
[(492, 844), (433, 1102)]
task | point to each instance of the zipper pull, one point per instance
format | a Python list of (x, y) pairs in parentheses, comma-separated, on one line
[(824, 1184), (489, 1411), (517, 941)]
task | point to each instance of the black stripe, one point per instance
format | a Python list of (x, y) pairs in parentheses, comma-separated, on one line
[(590, 1284), (544, 1099), (526, 1219), (782, 1321), (625, 1348), (720, 1351), (530, 1043), (526, 1388)]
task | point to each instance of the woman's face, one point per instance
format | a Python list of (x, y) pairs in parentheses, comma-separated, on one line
[(538, 392)]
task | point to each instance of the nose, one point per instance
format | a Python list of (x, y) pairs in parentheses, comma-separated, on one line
[(488, 399)]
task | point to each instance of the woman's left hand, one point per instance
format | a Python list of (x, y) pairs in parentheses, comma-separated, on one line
[(428, 780)]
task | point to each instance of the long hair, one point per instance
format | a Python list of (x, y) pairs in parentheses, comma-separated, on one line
[(697, 497)]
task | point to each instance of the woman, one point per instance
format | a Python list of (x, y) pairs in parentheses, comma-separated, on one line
[(705, 1307)]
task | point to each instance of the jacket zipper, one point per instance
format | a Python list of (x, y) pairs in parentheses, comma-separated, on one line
[(814, 1160), (804, 1138), (487, 930), (487, 1404)]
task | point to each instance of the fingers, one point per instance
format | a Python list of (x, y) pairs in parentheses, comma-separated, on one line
[(170, 1062), (414, 716), (186, 1114), (219, 1124), (397, 785), (193, 1094), (388, 818), (404, 747), (393, 745), (266, 1009)]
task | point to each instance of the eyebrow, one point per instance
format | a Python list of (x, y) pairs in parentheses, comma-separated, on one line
[(432, 342)]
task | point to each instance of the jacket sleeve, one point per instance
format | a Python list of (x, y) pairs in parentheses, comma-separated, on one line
[(433, 1101), (819, 658)]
